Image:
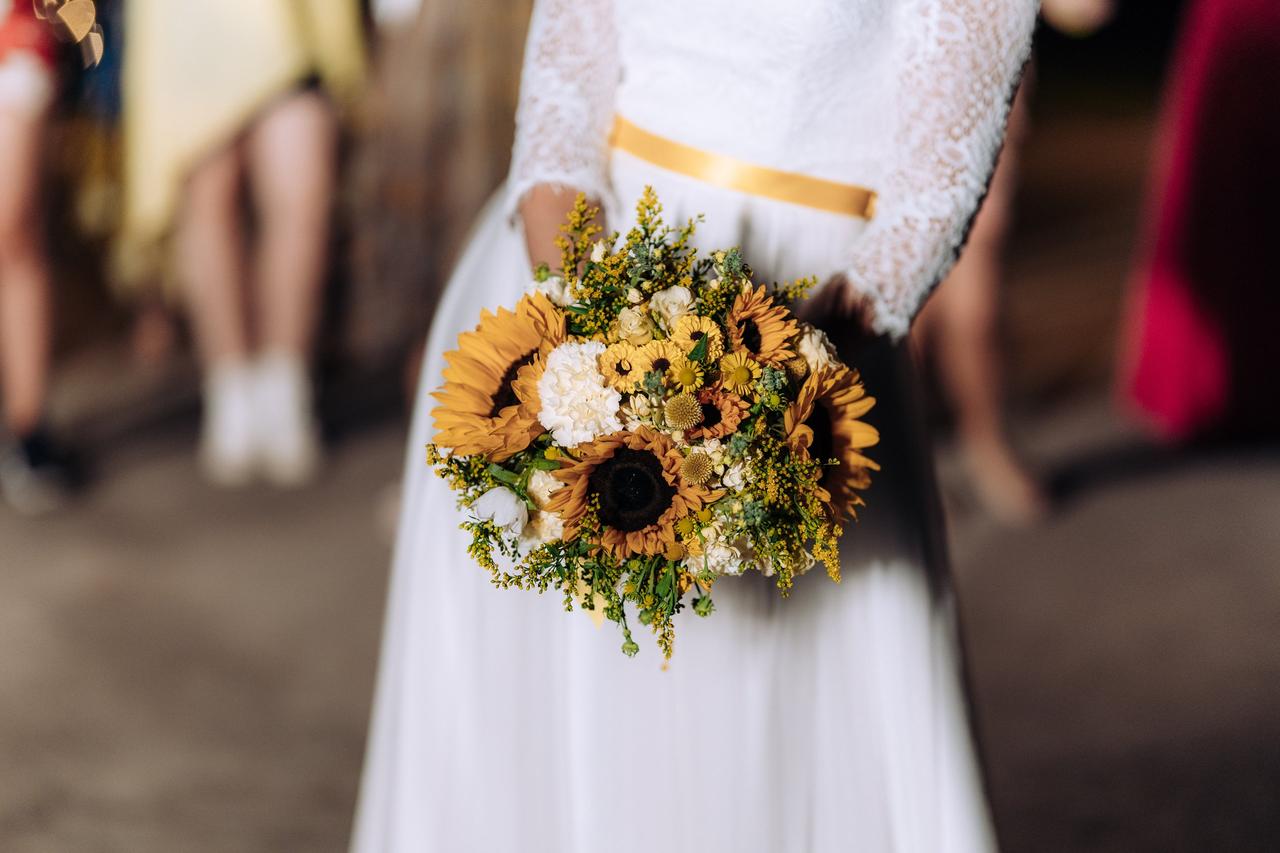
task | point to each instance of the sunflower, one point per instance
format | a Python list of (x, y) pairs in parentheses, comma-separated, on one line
[(761, 326), (635, 478), (489, 403), (823, 424), (722, 414), (739, 372), (622, 366), (692, 330)]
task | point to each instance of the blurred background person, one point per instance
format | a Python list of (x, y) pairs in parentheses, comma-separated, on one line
[(34, 472), (959, 328), (219, 96), (1201, 345)]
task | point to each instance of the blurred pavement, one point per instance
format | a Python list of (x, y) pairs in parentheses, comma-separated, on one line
[(187, 669)]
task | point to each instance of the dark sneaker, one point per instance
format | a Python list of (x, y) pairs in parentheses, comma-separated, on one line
[(37, 475)]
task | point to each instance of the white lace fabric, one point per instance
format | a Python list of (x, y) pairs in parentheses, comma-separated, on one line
[(571, 71), (908, 97)]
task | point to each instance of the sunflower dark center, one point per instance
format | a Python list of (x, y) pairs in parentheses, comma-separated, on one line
[(697, 335), (633, 493), (506, 394), (823, 447), (623, 367), (751, 337), (662, 365), (711, 415)]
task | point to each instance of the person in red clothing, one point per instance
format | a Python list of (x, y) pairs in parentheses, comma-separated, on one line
[(34, 473), (1201, 345)]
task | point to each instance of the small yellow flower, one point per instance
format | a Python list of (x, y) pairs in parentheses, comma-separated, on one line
[(738, 372), (686, 375), (692, 329), (622, 366)]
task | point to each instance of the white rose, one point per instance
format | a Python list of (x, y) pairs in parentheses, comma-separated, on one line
[(555, 289), (670, 305), (634, 296), (634, 326), (542, 485), (577, 405), (817, 350), (504, 508), (597, 252)]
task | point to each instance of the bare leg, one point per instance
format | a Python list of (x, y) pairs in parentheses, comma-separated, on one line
[(211, 259), (960, 324), (25, 287), (292, 164)]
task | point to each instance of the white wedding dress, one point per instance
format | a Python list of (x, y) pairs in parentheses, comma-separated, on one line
[(834, 720)]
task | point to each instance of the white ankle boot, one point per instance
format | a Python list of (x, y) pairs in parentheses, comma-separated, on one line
[(287, 436), (227, 437)]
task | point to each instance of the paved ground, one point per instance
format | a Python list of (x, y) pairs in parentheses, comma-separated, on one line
[(188, 669)]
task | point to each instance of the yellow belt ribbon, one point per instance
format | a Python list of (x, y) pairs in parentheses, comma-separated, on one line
[(744, 177)]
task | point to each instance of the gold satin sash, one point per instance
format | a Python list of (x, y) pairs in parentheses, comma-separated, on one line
[(741, 176)]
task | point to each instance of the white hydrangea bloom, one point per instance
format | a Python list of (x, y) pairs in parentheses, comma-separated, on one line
[(577, 405), (735, 477), (723, 559), (670, 305), (504, 508), (554, 287), (636, 411), (817, 350)]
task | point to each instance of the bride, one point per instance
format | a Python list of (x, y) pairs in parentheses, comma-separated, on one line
[(851, 139)]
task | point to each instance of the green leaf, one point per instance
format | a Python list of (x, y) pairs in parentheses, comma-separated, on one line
[(544, 464), (699, 351), (502, 475)]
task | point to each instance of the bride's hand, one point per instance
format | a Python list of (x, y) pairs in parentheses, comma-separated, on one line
[(543, 210)]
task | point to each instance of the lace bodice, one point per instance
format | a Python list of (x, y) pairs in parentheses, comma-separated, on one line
[(908, 97)]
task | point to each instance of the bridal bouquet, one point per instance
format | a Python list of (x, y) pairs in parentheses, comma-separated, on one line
[(646, 422)]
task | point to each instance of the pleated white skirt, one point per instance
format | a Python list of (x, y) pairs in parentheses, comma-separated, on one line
[(834, 720)]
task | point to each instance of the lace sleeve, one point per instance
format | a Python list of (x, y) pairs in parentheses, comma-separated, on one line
[(960, 64), (566, 99)]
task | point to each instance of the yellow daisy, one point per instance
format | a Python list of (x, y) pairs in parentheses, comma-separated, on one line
[(739, 372), (622, 366), (489, 403), (823, 423), (660, 355), (692, 329), (685, 375)]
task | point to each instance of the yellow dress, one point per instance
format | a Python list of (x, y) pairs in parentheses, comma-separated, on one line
[(196, 74)]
